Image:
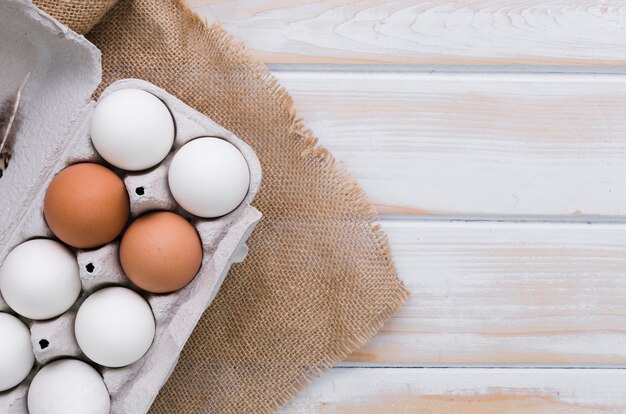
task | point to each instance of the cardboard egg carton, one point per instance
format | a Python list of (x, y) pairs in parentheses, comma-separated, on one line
[(54, 133)]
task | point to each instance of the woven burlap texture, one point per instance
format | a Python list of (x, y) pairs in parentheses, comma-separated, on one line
[(319, 280)]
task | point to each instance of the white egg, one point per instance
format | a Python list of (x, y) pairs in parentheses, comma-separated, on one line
[(68, 386), (209, 177), (40, 279), (114, 327), (132, 129), (16, 351)]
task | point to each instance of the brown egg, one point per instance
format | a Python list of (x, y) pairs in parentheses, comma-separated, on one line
[(161, 252), (86, 205)]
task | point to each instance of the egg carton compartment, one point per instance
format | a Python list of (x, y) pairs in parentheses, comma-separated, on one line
[(132, 388)]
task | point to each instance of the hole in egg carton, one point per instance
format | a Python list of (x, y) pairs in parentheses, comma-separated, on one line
[(149, 190), (134, 387), (100, 268), (54, 338)]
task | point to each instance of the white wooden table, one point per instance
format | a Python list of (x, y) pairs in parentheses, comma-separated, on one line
[(492, 137)]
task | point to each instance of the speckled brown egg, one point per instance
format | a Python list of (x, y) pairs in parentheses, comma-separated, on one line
[(86, 205), (161, 252)]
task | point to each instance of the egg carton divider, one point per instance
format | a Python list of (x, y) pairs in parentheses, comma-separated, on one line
[(134, 387)]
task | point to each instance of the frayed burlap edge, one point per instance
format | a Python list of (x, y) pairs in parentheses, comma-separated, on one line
[(352, 191)]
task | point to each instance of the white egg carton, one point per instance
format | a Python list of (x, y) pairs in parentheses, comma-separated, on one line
[(54, 133)]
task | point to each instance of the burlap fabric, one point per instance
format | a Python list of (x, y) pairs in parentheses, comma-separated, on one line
[(319, 280)]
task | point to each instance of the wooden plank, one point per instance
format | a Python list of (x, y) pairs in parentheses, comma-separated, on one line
[(474, 145), (464, 391), (438, 32), (507, 294)]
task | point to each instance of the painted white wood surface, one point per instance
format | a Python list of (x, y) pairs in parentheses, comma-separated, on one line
[(474, 144), (435, 32), (480, 138), (464, 391), (505, 294)]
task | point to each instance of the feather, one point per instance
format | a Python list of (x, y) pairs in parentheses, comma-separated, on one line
[(9, 125)]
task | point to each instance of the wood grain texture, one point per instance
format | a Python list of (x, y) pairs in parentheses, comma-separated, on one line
[(474, 145), (498, 147), (437, 32), (505, 294), (463, 391)]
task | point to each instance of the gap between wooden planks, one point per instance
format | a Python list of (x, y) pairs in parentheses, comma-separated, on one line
[(505, 294), (487, 147), (438, 32), (492, 146), (463, 391)]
